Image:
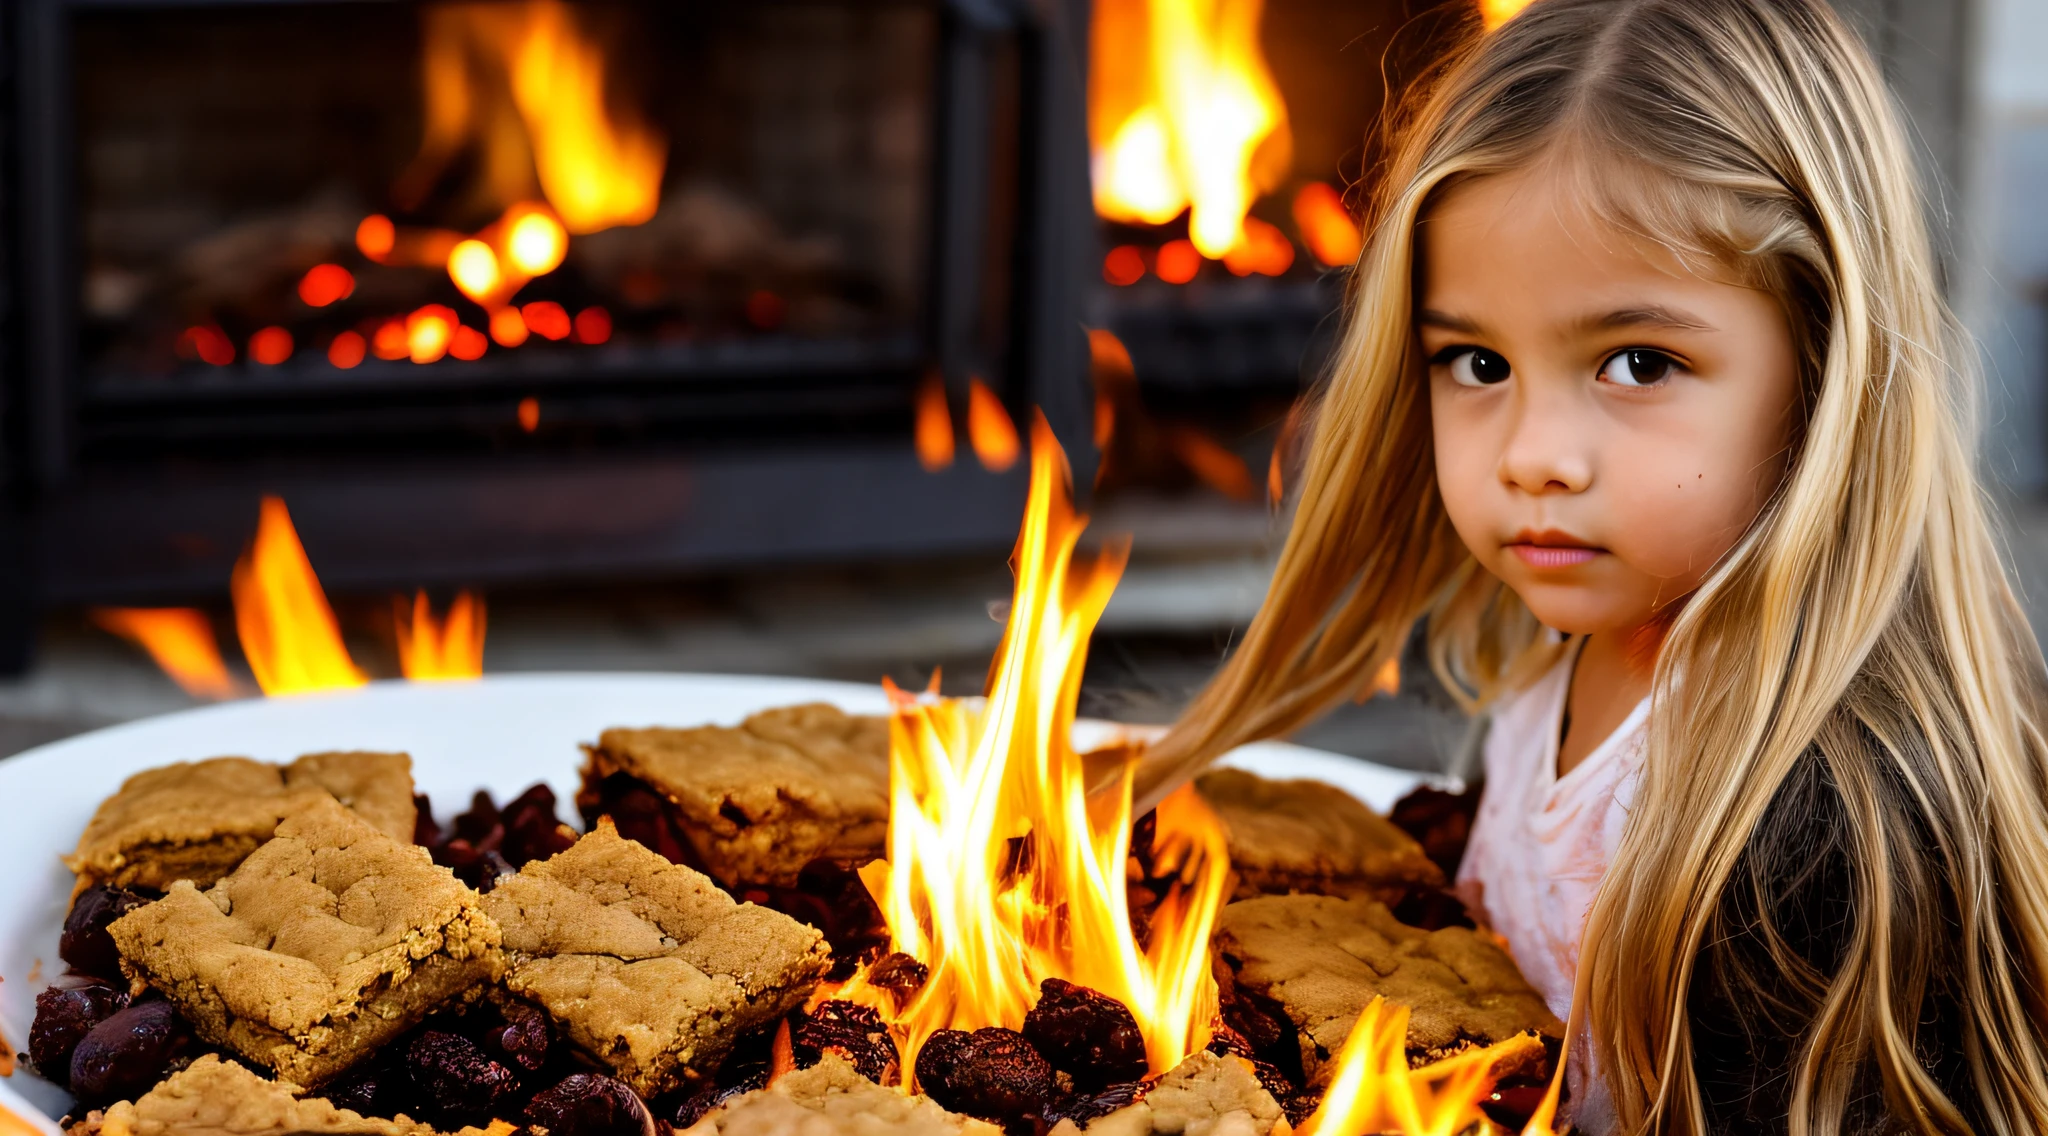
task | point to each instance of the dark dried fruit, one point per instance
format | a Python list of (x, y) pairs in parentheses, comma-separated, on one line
[(1224, 1040), (479, 824), (992, 1073), (900, 975), (86, 946), (829, 896), (64, 1015), (588, 1104), (1259, 1021), (531, 830), (1432, 909), (694, 1108), (124, 1056), (479, 868), (372, 1089), (1084, 1108), (524, 1038), (1441, 822), (1087, 1035), (426, 832), (1300, 1107), (640, 814), (855, 1032), (457, 1083)]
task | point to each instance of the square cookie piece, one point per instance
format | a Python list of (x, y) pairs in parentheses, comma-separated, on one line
[(1322, 959), (753, 803), (1315, 839), (326, 942), (647, 965), (212, 1097), (832, 1099), (196, 820)]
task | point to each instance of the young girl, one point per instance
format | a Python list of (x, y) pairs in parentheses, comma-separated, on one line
[(1650, 410)]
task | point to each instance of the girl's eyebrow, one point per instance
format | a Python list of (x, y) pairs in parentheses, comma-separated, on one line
[(1430, 317), (1646, 315)]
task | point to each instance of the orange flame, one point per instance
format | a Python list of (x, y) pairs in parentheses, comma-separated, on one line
[(1183, 114), (431, 651), (1326, 226), (989, 429), (288, 631), (1215, 465), (934, 424), (525, 81), (1494, 13), (1375, 1091), (1002, 871), (181, 641)]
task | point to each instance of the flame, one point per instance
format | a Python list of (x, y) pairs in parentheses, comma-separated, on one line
[(1002, 871), (181, 641), (934, 424), (430, 651), (1210, 461), (473, 265), (1326, 226), (525, 83), (989, 429), (288, 631), (1184, 114), (1494, 13), (1375, 1091)]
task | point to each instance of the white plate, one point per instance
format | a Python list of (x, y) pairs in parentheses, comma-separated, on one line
[(500, 734)]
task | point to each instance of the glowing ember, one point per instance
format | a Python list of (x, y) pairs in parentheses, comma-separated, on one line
[(288, 631), (1494, 13), (474, 268), (508, 327), (1177, 262), (535, 242), (270, 346), (325, 284), (427, 332), (934, 424), (1214, 464), (546, 319), (1183, 113), (1264, 250), (989, 428), (1123, 265), (1002, 871), (467, 343), (592, 326), (347, 350), (389, 342), (436, 651), (181, 641), (376, 236), (1375, 1091), (529, 414), (208, 344), (1326, 226)]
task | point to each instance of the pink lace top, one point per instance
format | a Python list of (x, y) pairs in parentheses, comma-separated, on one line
[(1540, 845)]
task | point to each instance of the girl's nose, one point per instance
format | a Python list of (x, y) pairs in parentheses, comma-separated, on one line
[(1544, 452)]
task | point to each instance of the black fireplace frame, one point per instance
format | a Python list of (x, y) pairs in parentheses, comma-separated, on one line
[(78, 534)]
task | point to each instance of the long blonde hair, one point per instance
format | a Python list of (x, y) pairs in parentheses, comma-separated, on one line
[(1864, 622)]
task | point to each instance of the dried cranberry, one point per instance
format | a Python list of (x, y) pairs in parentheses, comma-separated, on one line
[(426, 832), (86, 944), (640, 813), (992, 1073), (126, 1054), (854, 1031), (64, 1015), (531, 830), (481, 821), (588, 1104), (1087, 1035), (457, 1082), (1084, 1108), (694, 1108), (523, 1040), (479, 868), (373, 1088)]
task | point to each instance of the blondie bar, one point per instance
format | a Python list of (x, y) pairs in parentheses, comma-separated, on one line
[(647, 965), (220, 1098), (832, 1099), (1311, 838), (196, 820), (753, 803), (1322, 959), (326, 942)]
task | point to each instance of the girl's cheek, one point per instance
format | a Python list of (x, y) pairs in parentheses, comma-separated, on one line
[(1681, 514)]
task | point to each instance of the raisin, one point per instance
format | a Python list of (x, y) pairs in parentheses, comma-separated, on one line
[(531, 830), (86, 946), (523, 1040), (373, 1088), (426, 832), (588, 1104), (1085, 1108), (64, 1015), (456, 1081), (481, 823), (694, 1108), (125, 1055), (992, 1073), (1087, 1035), (854, 1031)]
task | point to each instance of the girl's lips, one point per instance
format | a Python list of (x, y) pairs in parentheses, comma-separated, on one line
[(1553, 555)]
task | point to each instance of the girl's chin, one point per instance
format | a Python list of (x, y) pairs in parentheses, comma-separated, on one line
[(1578, 609)]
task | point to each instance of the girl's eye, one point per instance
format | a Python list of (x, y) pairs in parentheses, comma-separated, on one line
[(1476, 366), (1638, 367)]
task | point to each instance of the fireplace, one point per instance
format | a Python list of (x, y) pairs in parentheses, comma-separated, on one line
[(520, 290)]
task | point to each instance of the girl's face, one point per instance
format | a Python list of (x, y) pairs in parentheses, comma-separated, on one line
[(1607, 422)]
